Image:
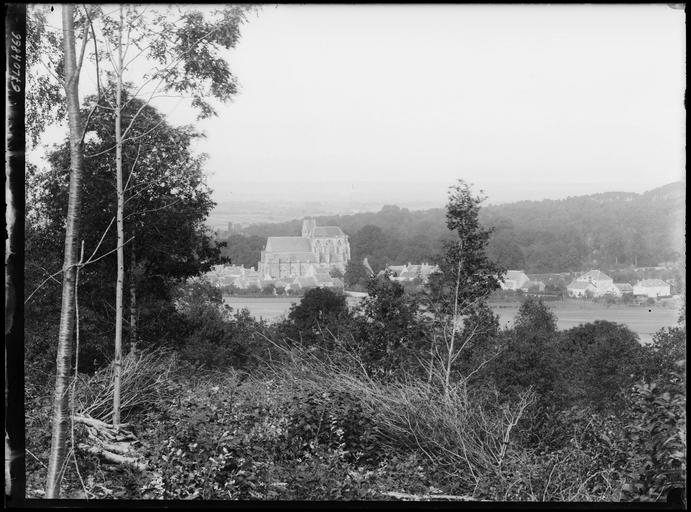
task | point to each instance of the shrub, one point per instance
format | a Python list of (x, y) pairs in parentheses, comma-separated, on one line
[(599, 361), (334, 420), (657, 428)]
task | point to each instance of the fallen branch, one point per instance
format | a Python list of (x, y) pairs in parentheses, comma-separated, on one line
[(121, 448), (101, 425), (427, 497), (112, 457)]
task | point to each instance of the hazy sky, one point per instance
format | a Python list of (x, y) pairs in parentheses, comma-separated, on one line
[(524, 101)]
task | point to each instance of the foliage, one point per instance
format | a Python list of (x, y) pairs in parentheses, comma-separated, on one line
[(658, 430), (318, 318), (44, 95), (467, 275), (243, 250), (356, 275), (389, 333), (662, 357), (600, 360), (483, 341), (334, 420), (167, 203), (602, 230)]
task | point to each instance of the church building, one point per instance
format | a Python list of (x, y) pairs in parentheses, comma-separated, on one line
[(319, 249)]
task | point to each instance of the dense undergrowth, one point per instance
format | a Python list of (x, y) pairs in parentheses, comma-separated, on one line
[(312, 427)]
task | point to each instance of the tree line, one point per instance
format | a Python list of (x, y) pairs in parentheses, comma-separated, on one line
[(606, 230)]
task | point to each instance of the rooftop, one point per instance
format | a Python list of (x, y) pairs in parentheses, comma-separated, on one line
[(328, 231), (294, 244), (652, 283), (595, 275)]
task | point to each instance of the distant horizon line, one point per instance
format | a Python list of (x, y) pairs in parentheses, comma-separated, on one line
[(270, 196)]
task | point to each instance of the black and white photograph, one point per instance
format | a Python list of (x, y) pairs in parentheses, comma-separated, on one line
[(345, 253)]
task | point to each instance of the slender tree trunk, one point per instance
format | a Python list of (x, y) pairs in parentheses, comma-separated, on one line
[(449, 361), (60, 420), (121, 234), (133, 301)]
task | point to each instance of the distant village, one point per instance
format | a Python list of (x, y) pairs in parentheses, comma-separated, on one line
[(593, 284), (290, 265)]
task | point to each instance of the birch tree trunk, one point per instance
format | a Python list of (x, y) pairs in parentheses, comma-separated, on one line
[(121, 233), (60, 417)]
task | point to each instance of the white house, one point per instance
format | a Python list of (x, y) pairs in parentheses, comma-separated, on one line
[(652, 288), (580, 289), (602, 284), (514, 280), (409, 272)]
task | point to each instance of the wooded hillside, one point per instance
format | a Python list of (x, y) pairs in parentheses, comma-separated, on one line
[(599, 230)]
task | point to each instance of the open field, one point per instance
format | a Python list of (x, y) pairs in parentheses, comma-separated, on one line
[(643, 320)]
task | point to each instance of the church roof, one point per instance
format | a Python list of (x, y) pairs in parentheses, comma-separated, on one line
[(328, 231), (288, 244)]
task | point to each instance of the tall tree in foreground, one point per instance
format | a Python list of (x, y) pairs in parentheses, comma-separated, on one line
[(466, 279), (167, 201), (183, 60), (60, 421)]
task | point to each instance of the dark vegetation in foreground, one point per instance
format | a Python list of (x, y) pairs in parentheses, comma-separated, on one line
[(334, 404)]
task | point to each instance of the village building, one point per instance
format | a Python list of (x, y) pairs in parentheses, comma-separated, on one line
[(514, 280), (232, 275), (580, 289), (408, 273), (652, 288), (319, 249), (601, 283), (624, 288)]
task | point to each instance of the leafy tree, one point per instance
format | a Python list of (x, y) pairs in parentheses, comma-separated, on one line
[(601, 360), (467, 275), (656, 432), (166, 211), (529, 358), (390, 334), (663, 355), (318, 318), (535, 317), (483, 342), (356, 275), (370, 242), (244, 250)]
